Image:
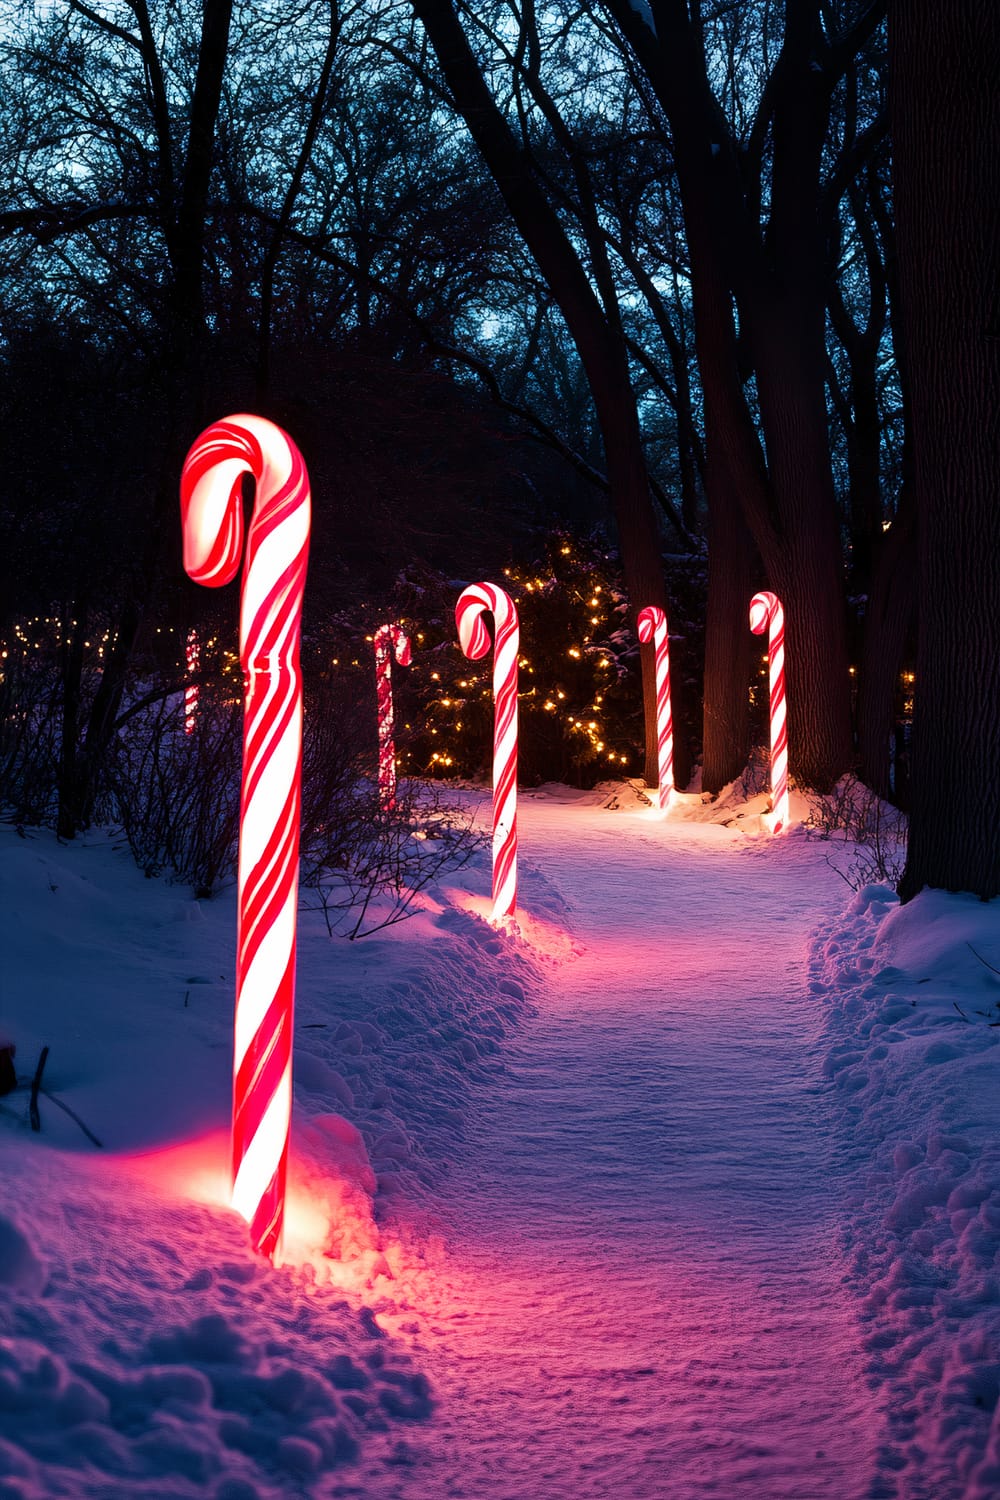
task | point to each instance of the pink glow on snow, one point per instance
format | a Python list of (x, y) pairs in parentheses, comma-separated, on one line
[(197, 1169), (547, 939), (685, 1353), (329, 1225)]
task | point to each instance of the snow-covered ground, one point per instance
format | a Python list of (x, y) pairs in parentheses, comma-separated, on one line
[(686, 1187)]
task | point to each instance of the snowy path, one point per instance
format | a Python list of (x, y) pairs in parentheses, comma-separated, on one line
[(640, 1295)]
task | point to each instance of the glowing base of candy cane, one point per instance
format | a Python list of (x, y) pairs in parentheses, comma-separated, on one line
[(666, 798), (776, 821)]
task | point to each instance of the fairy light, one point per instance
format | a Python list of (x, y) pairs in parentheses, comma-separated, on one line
[(567, 610)]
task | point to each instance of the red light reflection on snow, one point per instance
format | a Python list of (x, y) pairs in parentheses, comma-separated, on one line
[(620, 1356), (329, 1222), (198, 1169), (547, 938)]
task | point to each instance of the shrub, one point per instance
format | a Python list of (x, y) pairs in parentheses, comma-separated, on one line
[(873, 832)]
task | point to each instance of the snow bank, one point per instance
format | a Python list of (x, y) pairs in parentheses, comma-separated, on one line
[(143, 1350), (913, 1026)]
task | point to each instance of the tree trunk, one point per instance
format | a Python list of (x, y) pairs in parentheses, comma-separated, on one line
[(187, 239), (864, 445), (778, 283), (892, 603), (733, 576), (598, 339), (804, 560), (945, 112), (182, 373)]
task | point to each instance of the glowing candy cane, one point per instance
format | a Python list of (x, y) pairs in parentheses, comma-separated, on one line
[(652, 625), (766, 613), (270, 618), (389, 640), (475, 641), (192, 653)]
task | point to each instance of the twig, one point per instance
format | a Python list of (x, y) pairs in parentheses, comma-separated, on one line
[(36, 1084), (960, 1010), (982, 960), (73, 1116)]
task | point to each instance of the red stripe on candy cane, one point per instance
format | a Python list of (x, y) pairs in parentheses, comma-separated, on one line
[(475, 641), (274, 574), (652, 626), (767, 614), (389, 640)]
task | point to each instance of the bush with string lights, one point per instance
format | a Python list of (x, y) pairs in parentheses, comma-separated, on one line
[(579, 700)]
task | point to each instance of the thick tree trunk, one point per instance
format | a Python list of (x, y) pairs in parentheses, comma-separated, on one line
[(642, 570), (892, 603), (945, 113), (816, 667), (804, 560), (864, 447), (733, 576)]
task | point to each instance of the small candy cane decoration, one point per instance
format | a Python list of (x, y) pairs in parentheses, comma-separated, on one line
[(389, 640), (475, 641), (192, 654), (766, 613), (652, 624), (270, 621)]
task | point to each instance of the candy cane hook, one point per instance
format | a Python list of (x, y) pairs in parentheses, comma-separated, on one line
[(270, 799), (652, 626), (475, 642), (766, 613), (390, 640)]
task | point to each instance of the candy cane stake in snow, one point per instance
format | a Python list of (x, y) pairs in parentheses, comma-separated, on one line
[(192, 654), (475, 642), (767, 614), (652, 624), (390, 640), (270, 618)]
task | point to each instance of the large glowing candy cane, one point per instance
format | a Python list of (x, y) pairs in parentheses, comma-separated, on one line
[(652, 623), (766, 613), (192, 655), (270, 618), (475, 641), (389, 640)]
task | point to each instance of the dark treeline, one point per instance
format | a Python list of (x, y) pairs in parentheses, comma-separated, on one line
[(496, 265)]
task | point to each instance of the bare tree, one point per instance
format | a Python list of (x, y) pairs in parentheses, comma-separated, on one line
[(752, 208), (587, 298)]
